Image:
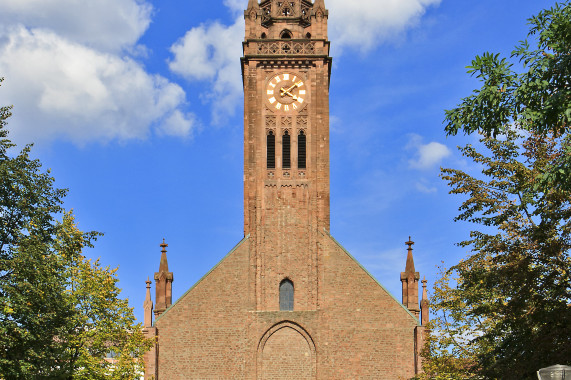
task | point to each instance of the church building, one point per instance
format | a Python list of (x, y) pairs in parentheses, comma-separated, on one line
[(288, 302)]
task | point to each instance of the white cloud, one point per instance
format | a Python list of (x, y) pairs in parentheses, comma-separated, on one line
[(65, 89), (108, 25), (423, 187), (211, 53), (70, 75), (364, 24), (426, 155), (177, 124), (236, 6)]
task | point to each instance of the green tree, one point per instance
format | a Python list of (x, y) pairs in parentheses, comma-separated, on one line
[(505, 311), (31, 307), (537, 99), (60, 314), (103, 322), (449, 353)]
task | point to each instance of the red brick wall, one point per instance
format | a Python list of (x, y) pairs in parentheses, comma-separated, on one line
[(358, 331), (285, 249), (203, 335), (365, 333)]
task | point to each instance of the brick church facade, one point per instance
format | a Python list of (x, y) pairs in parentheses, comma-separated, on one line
[(288, 301)]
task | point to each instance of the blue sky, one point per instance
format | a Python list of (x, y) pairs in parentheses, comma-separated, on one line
[(136, 107)]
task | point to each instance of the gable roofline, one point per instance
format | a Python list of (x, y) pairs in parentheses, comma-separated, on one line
[(328, 235), (370, 275), (203, 277)]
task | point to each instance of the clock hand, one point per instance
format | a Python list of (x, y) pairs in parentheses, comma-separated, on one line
[(283, 92), (288, 93)]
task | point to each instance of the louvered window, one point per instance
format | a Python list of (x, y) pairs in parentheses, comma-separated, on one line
[(286, 295), (271, 150), (301, 150), (286, 148)]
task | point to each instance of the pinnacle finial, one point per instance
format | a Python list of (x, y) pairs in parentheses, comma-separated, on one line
[(319, 4), (148, 295), (410, 243), (253, 4), (164, 266), (409, 260), (148, 306), (424, 303)]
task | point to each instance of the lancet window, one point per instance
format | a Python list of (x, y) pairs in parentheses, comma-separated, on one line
[(286, 295), (286, 150), (271, 150), (301, 150)]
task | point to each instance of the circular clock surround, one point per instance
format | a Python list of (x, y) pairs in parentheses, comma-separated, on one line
[(286, 92)]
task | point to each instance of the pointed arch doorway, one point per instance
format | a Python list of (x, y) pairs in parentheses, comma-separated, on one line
[(286, 352)]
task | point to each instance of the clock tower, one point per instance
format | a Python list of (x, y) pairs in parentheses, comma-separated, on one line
[(288, 302), (286, 70)]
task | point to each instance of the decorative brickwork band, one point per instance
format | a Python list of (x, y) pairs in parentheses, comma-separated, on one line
[(270, 122), (279, 9), (286, 122), (266, 12), (286, 47)]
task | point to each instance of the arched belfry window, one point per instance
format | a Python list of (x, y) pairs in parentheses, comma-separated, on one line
[(301, 150), (286, 149), (271, 150), (285, 35), (286, 295)]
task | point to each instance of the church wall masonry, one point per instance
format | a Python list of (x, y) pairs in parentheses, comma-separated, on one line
[(204, 332), (331, 319), (358, 330)]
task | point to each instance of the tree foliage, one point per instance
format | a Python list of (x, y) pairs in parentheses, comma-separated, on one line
[(507, 311), (537, 99), (60, 313), (448, 353)]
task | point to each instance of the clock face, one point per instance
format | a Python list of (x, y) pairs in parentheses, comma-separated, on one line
[(286, 92)]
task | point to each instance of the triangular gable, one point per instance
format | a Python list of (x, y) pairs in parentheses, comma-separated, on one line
[(370, 275), (203, 277)]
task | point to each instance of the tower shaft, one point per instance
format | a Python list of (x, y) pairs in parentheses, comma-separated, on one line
[(286, 70)]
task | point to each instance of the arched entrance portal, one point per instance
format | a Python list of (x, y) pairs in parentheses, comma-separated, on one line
[(286, 352)]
